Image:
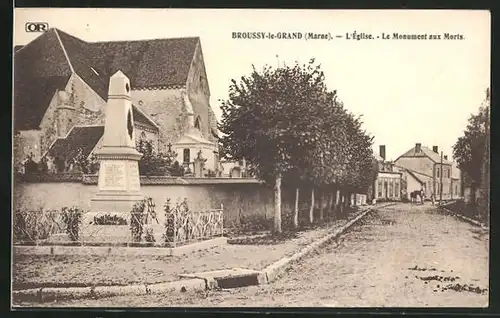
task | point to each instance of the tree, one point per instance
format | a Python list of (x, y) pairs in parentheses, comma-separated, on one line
[(470, 150), (290, 128), (153, 163), (269, 120)]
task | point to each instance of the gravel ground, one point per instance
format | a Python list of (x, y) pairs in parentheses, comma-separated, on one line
[(401, 256), (32, 271)]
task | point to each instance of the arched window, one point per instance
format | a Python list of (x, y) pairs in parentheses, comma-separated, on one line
[(143, 135), (197, 123)]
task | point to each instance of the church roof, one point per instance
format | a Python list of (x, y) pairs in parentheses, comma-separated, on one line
[(80, 138), (193, 138), (44, 66), (87, 137)]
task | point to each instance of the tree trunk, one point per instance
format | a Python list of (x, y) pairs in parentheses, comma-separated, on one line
[(330, 204), (321, 202), (473, 190), (341, 203), (296, 211), (338, 198), (277, 204), (311, 209)]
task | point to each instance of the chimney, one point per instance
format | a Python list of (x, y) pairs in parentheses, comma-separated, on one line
[(418, 147), (435, 149), (382, 151)]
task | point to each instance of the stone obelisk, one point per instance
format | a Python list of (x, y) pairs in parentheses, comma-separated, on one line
[(119, 183)]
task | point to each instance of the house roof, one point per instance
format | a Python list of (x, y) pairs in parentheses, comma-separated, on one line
[(44, 66), (414, 175), (425, 152), (83, 138)]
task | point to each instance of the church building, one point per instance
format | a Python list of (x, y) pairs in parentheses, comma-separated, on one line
[(61, 86)]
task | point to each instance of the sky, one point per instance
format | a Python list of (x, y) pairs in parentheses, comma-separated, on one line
[(408, 91)]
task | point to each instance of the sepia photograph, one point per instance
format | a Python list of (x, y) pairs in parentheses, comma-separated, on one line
[(250, 158)]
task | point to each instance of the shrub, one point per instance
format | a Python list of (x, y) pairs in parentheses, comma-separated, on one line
[(108, 219), (139, 217), (168, 236), (255, 223), (137, 220), (72, 218), (34, 225), (149, 237)]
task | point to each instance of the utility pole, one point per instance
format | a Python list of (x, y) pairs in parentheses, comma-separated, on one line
[(441, 180)]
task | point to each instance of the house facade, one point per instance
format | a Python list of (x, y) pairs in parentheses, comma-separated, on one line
[(388, 185), (61, 83), (425, 169)]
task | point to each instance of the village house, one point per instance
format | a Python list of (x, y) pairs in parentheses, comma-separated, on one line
[(60, 95), (425, 169), (387, 185)]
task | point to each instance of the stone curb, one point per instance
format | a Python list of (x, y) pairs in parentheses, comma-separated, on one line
[(267, 275), (464, 218), (120, 250), (48, 294), (277, 269)]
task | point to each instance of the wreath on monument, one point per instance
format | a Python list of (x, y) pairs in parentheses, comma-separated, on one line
[(130, 126)]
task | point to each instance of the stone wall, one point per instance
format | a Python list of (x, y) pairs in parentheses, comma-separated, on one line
[(239, 198)]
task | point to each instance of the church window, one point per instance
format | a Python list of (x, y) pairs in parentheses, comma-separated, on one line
[(197, 123)]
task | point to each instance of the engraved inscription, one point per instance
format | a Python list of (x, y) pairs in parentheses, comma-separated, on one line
[(134, 176), (114, 175)]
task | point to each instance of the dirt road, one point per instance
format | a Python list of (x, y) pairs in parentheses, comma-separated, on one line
[(400, 256)]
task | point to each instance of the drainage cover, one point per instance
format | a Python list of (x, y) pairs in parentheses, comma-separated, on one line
[(229, 278)]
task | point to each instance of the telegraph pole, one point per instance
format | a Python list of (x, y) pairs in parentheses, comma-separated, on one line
[(441, 180)]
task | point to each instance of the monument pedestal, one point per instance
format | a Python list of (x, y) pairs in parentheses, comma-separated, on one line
[(119, 187)]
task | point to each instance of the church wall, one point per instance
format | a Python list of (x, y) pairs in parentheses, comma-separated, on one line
[(82, 107), (165, 108), (199, 94)]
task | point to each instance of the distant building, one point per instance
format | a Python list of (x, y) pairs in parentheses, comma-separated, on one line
[(387, 185), (61, 83), (424, 169)]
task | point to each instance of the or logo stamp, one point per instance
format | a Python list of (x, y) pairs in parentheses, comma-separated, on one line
[(36, 26)]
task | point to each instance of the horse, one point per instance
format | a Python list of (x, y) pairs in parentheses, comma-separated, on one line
[(414, 195)]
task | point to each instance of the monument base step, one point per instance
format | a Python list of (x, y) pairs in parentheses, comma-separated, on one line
[(107, 202)]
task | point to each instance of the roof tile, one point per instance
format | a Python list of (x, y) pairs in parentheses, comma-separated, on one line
[(41, 68)]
